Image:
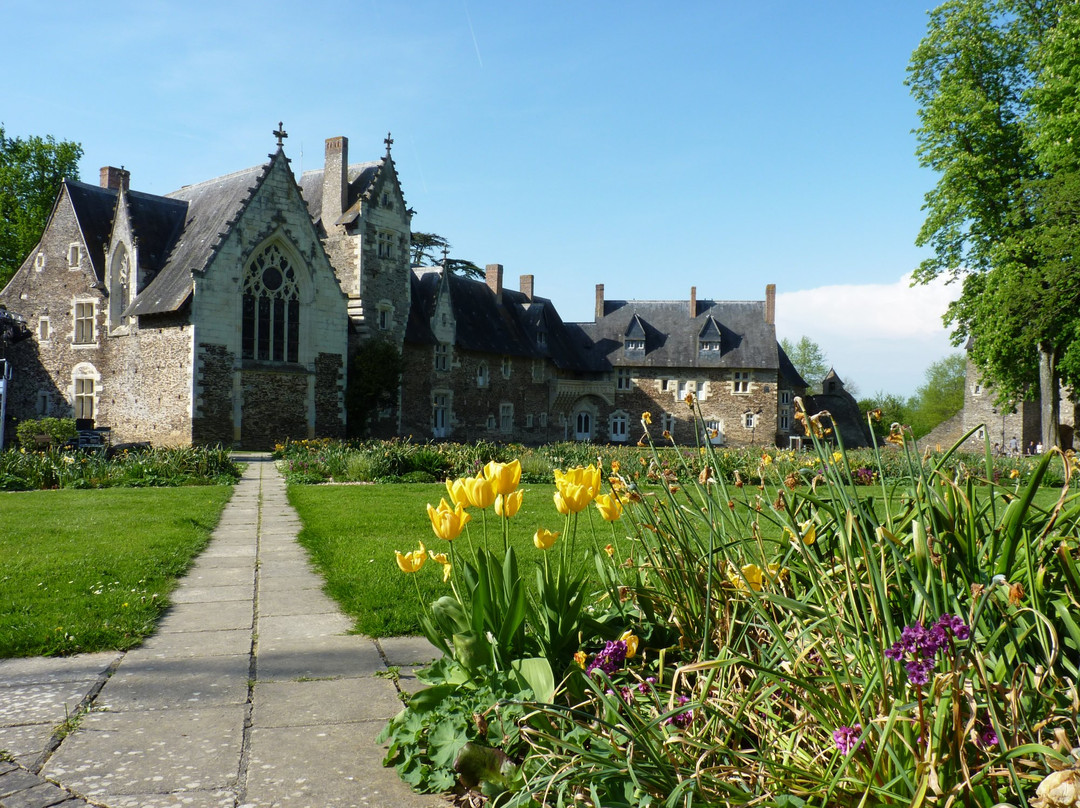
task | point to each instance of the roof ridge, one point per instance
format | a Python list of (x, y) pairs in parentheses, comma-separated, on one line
[(230, 175)]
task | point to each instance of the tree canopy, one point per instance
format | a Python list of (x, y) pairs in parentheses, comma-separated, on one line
[(30, 173), (425, 252), (996, 83), (939, 398), (808, 358)]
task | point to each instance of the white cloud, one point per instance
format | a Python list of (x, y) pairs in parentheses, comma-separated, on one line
[(880, 335)]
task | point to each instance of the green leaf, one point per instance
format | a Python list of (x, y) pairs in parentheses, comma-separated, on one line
[(445, 741), (536, 673)]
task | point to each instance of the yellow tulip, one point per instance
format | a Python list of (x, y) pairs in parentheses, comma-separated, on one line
[(440, 558), (631, 641), (609, 506), (646, 417), (507, 505), (544, 539), (751, 575), (411, 561), (481, 491), (807, 532), (506, 476), (571, 498), (447, 522), (459, 494)]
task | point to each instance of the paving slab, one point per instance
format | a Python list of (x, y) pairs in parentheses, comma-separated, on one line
[(302, 626), (44, 670), (321, 702), (211, 594), (26, 742), (231, 614), (294, 602), (408, 651), (182, 799), (145, 682), (280, 773), (42, 795), (344, 656), (135, 752), (39, 704), (199, 643)]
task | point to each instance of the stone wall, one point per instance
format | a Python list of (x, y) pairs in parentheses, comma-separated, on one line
[(329, 396), (274, 407), (214, 381)]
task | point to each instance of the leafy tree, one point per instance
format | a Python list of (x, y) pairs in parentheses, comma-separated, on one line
[(995, 82), (941, 396), (425, 252), (808, 358), (894, 409), (30, 173), (374, 377)]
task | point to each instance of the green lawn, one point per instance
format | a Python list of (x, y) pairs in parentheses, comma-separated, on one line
[(92, 570)]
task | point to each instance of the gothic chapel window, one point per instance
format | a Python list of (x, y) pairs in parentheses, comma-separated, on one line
[(271, 308)]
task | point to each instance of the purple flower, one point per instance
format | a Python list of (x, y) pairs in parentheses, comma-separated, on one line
[(918, 646), (645, 687), (682, 719), (610, 659), (847, 738)]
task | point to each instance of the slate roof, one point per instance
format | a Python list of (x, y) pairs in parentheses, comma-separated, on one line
[(482, 325), (671, 334), (94, 207), (211, 207), (361, 176)]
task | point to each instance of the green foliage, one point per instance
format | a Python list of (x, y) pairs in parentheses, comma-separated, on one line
[(778, 683), (426, 249), (808, 358), (92, 571), (58, 431), (459, 727), (30, 173), (995, 84), (24, 470), (374, 376)]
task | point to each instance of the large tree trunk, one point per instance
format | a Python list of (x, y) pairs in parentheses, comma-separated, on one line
[(1049, 387)]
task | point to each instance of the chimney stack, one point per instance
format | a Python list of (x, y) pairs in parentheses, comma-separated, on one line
[(115, 178), (493, 276), (335, 191), (599, 301), (770, 304), (693, 302), (526, 286)]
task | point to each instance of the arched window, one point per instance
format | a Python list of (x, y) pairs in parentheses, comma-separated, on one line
[(271, 308), (85, 385), (119, 286)]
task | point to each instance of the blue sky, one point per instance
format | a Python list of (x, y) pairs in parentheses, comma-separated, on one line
[(649, 147)]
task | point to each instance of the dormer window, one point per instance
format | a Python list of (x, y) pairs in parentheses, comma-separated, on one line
[(635, 345), (710, 346)]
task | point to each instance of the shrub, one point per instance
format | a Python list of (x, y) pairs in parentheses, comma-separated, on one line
[(59, 431)]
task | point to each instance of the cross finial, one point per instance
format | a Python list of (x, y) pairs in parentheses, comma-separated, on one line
[(389, 141), (280, 133), (445, 252)]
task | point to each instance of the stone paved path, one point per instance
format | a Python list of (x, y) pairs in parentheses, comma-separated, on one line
[(250, 693)]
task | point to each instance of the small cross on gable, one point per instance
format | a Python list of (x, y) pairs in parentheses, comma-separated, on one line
[(389, 141), (280, 133)]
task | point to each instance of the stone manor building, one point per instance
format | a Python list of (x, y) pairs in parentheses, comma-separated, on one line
[(227, 312)]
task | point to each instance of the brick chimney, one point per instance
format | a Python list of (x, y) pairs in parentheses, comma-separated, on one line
[(770, 304), (526, 286), (599, 301), (335, 189), (115, 178), (493, 276), (693, 302)]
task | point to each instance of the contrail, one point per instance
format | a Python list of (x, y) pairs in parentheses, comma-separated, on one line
[(471, 31)]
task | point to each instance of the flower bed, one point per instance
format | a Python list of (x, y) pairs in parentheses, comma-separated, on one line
[(925, 650)]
